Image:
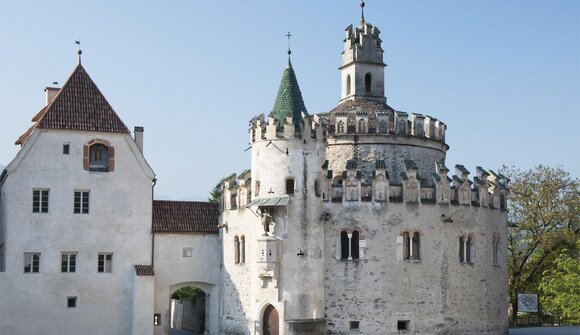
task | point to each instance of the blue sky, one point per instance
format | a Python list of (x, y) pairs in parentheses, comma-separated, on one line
[(503, 75)]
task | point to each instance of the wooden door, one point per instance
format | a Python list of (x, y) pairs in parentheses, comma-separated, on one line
[(270, 321)]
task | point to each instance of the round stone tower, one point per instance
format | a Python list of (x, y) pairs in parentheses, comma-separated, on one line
[(288, 151), (363, 126)]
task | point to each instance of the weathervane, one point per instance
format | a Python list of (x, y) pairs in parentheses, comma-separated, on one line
[(362, 11), (80, 52)]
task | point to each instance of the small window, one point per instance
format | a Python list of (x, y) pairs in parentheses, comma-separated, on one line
[(105, 263), (416, 246), (39, 201), (461, 249), (31, 262), (354, 325), (348, 84), (66, 149), (344, 245), (257, 188), (71, 302), (99, 158), (81, 202), (68, 262), (317, 190), (468, 250), (368, 81), (406, 246), (403, 325), (362, 126), (157, 319), (187, 252), (495, 246), (290, 186), (354, 245), (383, 127), (2, 257), (237, 250), (242, 249)]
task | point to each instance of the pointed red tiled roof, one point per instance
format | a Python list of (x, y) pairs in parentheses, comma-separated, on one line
[(80, 105), (185, 217)]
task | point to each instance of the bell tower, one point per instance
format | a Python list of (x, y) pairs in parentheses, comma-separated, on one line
[(362, 70)]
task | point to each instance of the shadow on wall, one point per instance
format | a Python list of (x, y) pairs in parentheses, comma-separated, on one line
[(233, 319)]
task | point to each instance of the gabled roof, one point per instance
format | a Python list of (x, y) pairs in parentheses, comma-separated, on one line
[(185, 217), (80, 105), (289, 100)]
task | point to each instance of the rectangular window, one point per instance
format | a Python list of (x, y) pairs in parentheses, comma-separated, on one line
[(39, 201), (68, 262), (354, 325), (403, 325), (65, 149), (105, 263), (187, 252), (31, 262), (71, 302), (81, 202), (2, 257)]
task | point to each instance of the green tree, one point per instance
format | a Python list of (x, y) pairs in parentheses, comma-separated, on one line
[(188, 292), (560, 288), (544, 212), (214, 195)]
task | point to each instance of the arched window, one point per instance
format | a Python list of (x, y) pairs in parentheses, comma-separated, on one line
[(416, 246), (348, 84), (340, 127), (419, 131), (383, 127), (461, 249), (317, 190), (237, 250), (368, 81), (242, 249), (468, 251), (406, 246), (362, 126), (99, 157), (495, 246), (344, 245), (354, 245), (290, 186)]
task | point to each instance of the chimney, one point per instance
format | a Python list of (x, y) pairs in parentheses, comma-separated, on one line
[(51, 92), (139, 137)]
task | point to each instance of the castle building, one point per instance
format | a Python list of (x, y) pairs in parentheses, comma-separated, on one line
[(347, 222)]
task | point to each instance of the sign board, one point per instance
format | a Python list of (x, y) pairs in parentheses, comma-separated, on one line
[(527, 302)]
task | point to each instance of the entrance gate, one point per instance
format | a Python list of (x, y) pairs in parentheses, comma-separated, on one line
[(271, 321)]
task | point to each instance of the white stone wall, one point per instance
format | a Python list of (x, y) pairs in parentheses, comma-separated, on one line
[(119, 222), (173, 271), (437, 294)]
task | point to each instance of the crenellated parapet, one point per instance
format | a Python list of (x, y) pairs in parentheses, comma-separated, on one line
[(370, 118), (310, 127), (352, 185)]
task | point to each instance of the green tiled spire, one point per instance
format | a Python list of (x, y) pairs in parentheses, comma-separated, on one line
[(289, 99)]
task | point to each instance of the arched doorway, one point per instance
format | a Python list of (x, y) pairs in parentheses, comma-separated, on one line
[(271, 321), (187, 308)]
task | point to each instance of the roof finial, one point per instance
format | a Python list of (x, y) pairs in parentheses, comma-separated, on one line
[(80, 52), (362, 13), (289, 51)]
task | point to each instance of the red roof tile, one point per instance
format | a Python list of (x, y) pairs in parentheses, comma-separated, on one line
[(144, 270), (80, 105), (185, 217)]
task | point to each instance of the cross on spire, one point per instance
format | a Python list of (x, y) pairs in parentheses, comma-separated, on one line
[(289, 51)]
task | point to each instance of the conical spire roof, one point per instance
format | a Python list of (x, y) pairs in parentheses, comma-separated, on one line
[(80, 105), (289, 100)]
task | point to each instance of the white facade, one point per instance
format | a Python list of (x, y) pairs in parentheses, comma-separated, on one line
[(118, 222)]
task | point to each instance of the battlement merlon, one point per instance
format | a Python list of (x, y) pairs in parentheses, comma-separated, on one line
[(361, 44), (309, 128)]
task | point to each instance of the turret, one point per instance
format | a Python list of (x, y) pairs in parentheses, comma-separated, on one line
[(288, 153)]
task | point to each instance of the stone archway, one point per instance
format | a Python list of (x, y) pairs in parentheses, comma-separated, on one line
[(270, 321), (188, 311)]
